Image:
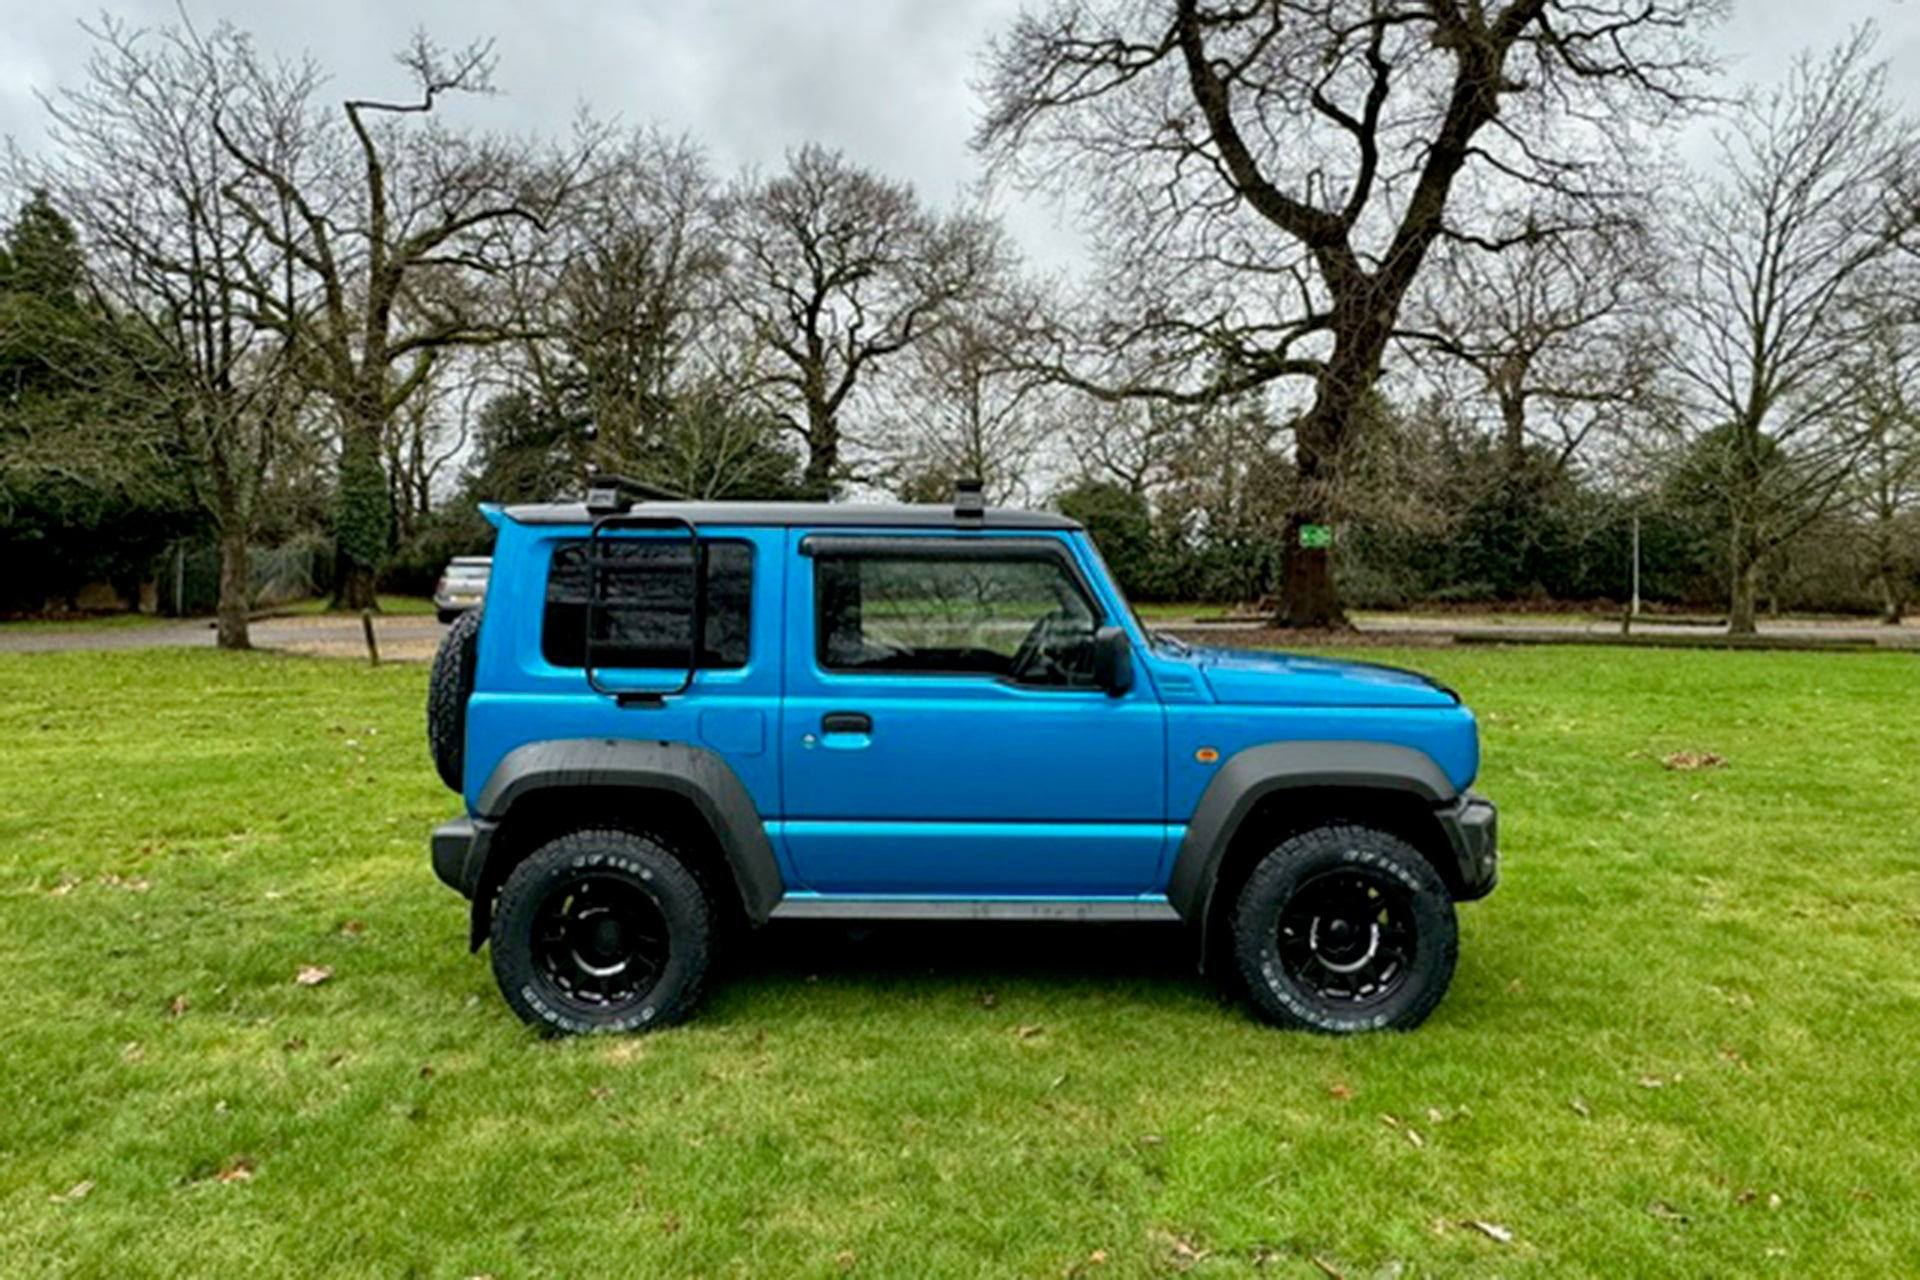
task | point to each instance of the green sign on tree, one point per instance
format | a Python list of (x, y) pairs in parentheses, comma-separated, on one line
[(1317, 537)]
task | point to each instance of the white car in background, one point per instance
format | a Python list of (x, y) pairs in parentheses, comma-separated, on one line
[(463, 586)]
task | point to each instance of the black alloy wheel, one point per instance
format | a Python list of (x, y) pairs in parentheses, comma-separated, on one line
[(1342, 929), (602, 931)]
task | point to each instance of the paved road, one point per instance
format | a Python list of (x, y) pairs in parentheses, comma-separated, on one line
[(413, 638), (409, 638)]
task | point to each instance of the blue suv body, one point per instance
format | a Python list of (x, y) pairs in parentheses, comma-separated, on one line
[(675, 713)]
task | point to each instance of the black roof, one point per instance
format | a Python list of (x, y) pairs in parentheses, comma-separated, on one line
[(813, 515)]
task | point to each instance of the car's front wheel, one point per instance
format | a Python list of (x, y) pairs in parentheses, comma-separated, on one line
[(1343, 929), (601, 931)]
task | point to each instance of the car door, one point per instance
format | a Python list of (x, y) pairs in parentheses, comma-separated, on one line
[(941, 734)]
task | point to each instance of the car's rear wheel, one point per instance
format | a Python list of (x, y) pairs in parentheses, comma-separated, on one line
[(1343, 929), (601, 931)]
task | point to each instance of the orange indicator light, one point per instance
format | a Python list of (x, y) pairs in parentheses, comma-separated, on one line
[(1206, 755)]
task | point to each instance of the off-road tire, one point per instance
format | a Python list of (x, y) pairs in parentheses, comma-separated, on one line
[(1345, 906), (448, 687), (535, 972)]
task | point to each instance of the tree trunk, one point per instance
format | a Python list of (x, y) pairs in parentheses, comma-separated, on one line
[(1309, 598), (363, 521), (1746, 593), (823, 453), (236, 590)]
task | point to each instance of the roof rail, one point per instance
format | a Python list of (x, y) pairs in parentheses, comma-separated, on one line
[(611, 495)]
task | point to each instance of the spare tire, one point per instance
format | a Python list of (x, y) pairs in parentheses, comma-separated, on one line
[(447, 691)]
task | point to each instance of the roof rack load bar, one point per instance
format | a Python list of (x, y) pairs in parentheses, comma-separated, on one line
[(611, 495)]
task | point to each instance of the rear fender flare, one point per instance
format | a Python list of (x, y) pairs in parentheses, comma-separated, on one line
[(695, 774)]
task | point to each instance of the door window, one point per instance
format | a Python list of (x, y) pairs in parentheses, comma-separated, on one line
[(1022, 617)]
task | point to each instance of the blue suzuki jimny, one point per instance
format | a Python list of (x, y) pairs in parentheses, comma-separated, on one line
[(671, 715)]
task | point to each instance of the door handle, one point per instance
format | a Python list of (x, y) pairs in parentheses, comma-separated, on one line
[(846, 722)]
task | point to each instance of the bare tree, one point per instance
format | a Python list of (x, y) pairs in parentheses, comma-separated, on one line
[(396, 232), (1559, 335), (1269, 179), (1785, 244), (964, 402), (180, 262), (835, 270), (1884, 488)]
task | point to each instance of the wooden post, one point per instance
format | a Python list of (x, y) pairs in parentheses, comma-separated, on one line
[(366, 625)]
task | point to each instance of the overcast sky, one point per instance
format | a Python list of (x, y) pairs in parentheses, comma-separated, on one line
[(887, 81)]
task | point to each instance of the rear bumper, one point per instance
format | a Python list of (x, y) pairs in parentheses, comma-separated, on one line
[(460, 851), (1472, 825)]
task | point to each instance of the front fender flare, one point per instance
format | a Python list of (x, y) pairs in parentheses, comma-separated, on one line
[(1250, 776)]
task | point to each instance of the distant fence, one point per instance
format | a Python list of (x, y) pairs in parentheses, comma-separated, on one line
[(187, 578)]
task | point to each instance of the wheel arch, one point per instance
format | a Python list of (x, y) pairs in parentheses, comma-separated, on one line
[(686, 795), (1265, 794)]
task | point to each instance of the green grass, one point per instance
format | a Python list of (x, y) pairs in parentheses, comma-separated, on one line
[(392, 605), (1679, 1042)]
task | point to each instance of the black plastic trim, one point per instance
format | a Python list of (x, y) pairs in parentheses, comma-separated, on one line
[(1472, 824), (694, 773), (804, 514), (1251, 775)]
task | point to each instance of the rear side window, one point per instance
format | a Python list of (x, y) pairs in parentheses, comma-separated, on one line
[(1021, 617), (645, 613)]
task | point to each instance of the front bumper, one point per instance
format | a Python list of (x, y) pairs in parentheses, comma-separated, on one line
[(460, 851), (1472, 825)]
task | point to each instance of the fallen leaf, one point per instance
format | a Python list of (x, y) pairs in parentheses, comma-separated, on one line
[(132, 1051), (670, 1224), (1436, 1115), (1151, 1140), (1491, 1230), (426, 1072), (1652, 1082), (1326, 1269), (986, 1000), (1861, 1194), (294, 1044), (1392, 1122), (78, 1191), (66, 886), (1342, 1092), (177, 1006), (1665, 1212), (1747, 1196), (1774, 1201), (1028, 1031), (1183, 1253), (1098, 1257), (1413, 1136), (238, 1169), (1688, 761), (1581, 1108), (600, 1092), (312, 975), (845, 1259), (352, 927)]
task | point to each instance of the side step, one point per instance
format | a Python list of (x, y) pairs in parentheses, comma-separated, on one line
[(1112, 911)]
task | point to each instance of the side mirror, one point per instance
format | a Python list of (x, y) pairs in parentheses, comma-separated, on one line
[(1112, 660)]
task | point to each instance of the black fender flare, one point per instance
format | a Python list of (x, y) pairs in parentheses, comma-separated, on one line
[(1252, 775), (693, 773)]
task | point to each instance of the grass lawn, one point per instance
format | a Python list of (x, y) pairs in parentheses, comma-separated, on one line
[(89, 622), (392, 606), (1680, 1041)]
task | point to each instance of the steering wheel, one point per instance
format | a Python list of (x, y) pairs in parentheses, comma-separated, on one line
[(1032, 661)]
